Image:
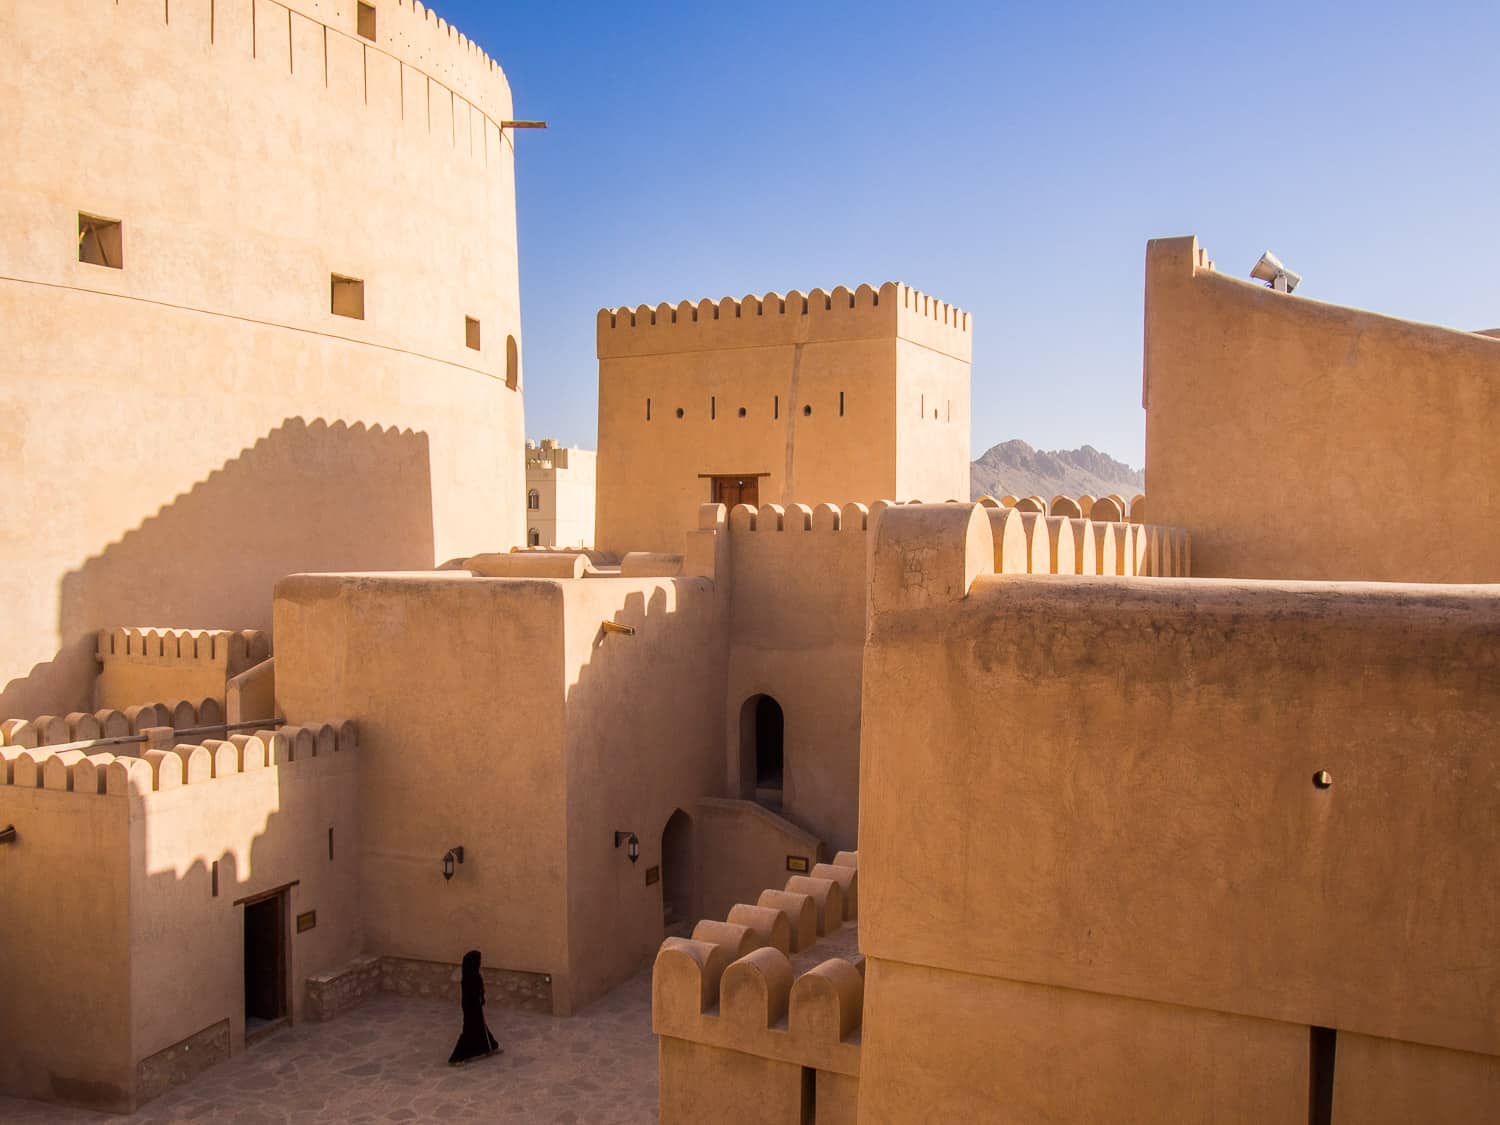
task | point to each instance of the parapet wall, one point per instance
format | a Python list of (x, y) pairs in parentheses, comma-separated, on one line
[(863, 313), (110, 722), (746, 1008), (1219, 814), (101, 773), (413, 46), (137, 664)]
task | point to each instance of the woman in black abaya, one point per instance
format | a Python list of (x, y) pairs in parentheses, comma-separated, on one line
[(476, 1041)]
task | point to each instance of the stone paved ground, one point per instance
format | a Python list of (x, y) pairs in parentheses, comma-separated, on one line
[(386, 1061)]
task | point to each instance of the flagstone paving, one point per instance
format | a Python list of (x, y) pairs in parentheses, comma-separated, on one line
[(386, 1061)]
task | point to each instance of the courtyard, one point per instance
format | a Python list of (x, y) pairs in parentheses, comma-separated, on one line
[(386, 1061)]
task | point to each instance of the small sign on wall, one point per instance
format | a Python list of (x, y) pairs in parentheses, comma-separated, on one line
[(799, 864), (653, 875), (307, 921)]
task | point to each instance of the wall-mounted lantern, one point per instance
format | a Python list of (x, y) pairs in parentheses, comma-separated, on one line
[(632, 844), (452, 856), (8, 834)]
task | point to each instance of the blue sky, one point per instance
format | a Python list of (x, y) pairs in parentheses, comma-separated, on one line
[(1010, 158)]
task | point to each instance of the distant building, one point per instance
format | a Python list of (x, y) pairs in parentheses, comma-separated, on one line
[(559, 495)]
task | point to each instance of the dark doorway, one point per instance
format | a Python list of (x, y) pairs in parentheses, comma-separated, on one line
[(730, 491), (762, 727), (265, 962), (677, 882)]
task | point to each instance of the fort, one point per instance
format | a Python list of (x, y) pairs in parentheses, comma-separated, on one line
[(1178, 806)]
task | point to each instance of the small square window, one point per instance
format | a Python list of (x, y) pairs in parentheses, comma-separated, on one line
[(348, 297), (471, 332), (101, 242), (366, 26)]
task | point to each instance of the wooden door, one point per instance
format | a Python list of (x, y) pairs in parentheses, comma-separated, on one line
[(730, 491)]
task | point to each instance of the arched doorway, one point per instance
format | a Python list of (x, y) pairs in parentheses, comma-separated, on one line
[(762, 732), (677, 881)]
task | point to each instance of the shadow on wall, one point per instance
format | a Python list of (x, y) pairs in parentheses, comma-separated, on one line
[(645, 717), (117, 1032), (306, 497)]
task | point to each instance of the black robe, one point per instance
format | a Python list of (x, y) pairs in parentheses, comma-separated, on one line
[(475, 1041)]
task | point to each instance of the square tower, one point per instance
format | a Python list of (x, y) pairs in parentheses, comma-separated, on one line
[(858, 395)]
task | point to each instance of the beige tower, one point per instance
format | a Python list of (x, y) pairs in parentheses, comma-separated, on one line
[(833, 397), (258, 282)]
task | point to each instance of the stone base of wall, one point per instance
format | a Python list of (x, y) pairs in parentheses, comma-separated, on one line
[(506, 988), (181, 1062), (336, 991)]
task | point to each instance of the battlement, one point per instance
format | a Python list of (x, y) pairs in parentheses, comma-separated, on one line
[(1031, 542), (754, 987), (108, 722), (233, 650), (794, 318), (416, 65), (800, 517), (144, 663), (74, 768), (1027, 541)]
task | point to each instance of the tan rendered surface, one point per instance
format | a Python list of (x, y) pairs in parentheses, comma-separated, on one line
[(797, 621), (1293, 438), (895, 355), (1197, 808), (951, 1046), (250, 151), (126, 948), (581, 733)]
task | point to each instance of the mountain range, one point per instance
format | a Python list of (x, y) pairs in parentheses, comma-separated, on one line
[(1017, 468)]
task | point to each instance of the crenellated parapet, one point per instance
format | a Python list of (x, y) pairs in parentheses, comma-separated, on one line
[(1028, 541), (403, 58), (820, 316), (109, 722), (233, 650), (144, 663), (82, 770), (753, 987), (822, 518)]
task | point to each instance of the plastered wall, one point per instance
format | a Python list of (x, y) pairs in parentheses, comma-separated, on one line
[(1140, 820), (642, 716), (197, 424), (1297, 439), (797, 623), (823, 380), (124, 948), (458, 686), (66, 975), (497, 715), (266, 828), (743, 848)]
